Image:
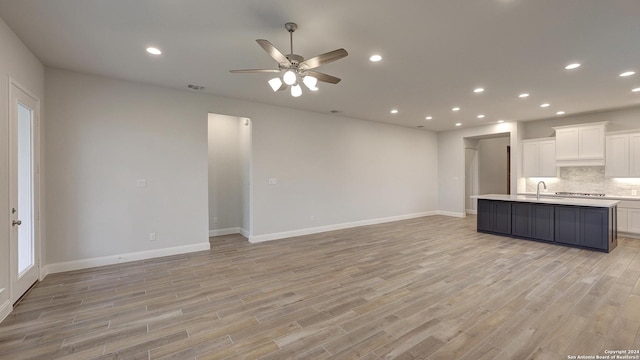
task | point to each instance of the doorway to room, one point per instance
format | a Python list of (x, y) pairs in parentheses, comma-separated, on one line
[(229, 169), (487, 167)]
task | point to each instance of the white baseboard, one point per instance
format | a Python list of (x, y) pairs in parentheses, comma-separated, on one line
[(5, 309), (628, 235), (116, 259), (472, 212), (244, 233), (320, 229), (451, 213), (228, 231)]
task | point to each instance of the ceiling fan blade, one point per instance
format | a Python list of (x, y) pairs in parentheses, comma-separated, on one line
[(325, 58), (254, 71), (323, 77), (274, 52)]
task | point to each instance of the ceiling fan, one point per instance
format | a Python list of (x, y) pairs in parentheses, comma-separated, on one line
[(294, 68)]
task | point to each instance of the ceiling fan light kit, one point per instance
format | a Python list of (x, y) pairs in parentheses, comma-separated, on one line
[(293, 69)]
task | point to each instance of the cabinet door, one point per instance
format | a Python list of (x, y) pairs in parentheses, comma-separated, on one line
[(547, 159), (521, 219), (503, 217), (633, 218), (592, 142), (567, 221), (542, 222), (634, 155), (617, 158), (594, 227), (622, 220), (486, 215), (567, 144), (530, 159)]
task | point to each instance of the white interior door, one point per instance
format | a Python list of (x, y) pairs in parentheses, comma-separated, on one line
[(23, 194)]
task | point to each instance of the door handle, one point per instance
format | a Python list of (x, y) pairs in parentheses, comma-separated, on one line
[(16, 222)]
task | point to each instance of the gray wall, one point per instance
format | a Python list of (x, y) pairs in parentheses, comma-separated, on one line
[(451, 163), (621, 119), (492, 165), (107, 133)]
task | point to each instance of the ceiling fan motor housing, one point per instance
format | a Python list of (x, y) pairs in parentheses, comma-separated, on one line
[(295, 59)]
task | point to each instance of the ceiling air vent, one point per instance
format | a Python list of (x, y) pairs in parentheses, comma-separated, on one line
[(195, 87)]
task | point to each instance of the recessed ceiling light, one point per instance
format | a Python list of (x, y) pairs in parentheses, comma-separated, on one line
[(455, 109), (500, 121), (375, 58), (627, 73), (458, 124), (545, 105), (560, 113), (429, 118), (523, 95), (478, 90), (480, 116), (394, 111), (154, 51), (636, 89), (572, 66)]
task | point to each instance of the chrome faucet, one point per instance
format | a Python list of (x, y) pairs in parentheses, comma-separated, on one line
[(538, 189)]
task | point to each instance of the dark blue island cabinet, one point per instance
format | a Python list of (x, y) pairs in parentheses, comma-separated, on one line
[(534, 221), (583, 226), (580, 226), (496, 216)]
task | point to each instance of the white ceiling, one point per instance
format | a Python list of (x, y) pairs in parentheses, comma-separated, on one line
[(434, 52)]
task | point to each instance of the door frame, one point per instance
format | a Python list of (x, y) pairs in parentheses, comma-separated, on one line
[(36, 185)]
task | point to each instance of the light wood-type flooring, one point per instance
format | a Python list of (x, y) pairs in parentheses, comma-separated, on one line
[(427, 288)]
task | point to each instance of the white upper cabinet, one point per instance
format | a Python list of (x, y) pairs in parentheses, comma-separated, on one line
[(539, 158), (567, 144), (580, 145), (623, 155), (634, 155), (617, 164)]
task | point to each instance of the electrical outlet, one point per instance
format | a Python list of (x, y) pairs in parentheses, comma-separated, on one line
[(141, 183), (215, 220), (273, 181), (152, 236)]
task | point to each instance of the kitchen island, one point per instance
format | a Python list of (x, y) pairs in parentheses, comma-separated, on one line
[(578, 222)]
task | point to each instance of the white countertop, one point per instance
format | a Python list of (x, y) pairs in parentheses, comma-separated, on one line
[(606, 197), (599, 202)]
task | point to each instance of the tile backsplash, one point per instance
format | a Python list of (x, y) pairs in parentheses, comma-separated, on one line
[(587, 180)]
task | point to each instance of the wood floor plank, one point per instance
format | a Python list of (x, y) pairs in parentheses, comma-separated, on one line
[(426, 288)]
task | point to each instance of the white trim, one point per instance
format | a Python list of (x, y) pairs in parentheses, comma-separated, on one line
[(244, 233), (451, 213), (320, 229), (628, 235), (472, 212), (5, 309), (116, 259), (220, 232)]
